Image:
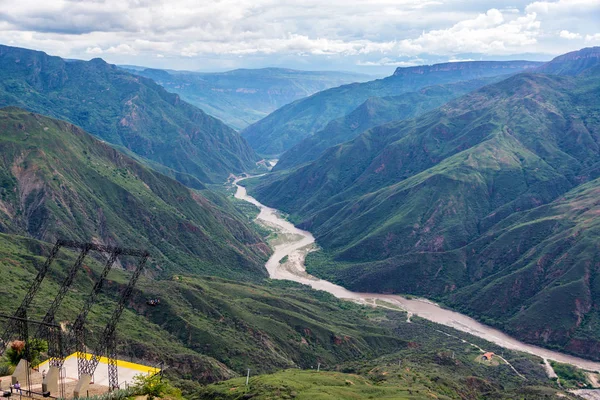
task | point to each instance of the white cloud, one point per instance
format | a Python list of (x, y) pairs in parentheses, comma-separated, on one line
[(454, 59), (593, 38), (563, 6), (569, 35), (94, 50), (389, 62), (488, 33), (370, 32)]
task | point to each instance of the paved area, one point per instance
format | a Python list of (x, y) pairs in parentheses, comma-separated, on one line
[(127, 371)]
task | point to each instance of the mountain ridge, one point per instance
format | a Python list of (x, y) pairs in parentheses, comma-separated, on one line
[(125, 110), (288, 125)]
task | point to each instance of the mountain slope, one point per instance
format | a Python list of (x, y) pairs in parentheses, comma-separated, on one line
[(244, 96), (290, 124), (205, 329), (410, 206), (58, 181), (375, 111), (124, 109), (573, 63)]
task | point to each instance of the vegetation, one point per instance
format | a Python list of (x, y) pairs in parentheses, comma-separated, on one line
[(373, 112), (434, 364), (569, 376), (290, 124), (244, 96), (59, 181), (18, 350), (485, 204), (126, 110)]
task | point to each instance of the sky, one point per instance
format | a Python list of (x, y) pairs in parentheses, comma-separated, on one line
[(369, 36)]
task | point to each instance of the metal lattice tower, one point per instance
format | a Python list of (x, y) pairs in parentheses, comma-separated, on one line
[(113, 371), (109, 330), (21, 312)]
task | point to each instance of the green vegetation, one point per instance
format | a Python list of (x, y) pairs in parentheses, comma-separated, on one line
[(434, 364), (126, 110), (61, 182), (569, 376), (373, 112), (244, 96), (206, 328), (18, 351), (487, 204), (290, 124)]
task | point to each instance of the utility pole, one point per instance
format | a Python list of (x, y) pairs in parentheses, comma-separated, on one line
[(248, 377)]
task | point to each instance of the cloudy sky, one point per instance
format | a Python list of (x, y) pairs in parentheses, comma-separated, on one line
[(371, 36)]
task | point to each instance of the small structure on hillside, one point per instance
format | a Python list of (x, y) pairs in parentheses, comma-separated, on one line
[(487, 356)]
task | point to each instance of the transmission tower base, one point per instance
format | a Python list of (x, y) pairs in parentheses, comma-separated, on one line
[(20, 374), (50, 383), (82, 386)]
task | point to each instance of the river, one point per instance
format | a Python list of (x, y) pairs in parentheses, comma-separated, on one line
[(296, 243)]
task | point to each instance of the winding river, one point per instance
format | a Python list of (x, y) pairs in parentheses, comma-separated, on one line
[(296, 243)]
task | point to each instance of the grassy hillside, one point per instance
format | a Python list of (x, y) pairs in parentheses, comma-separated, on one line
[(58, 181), (373, 112), (292, 123), (421, 206), (206, 328), (244, 96), (433, 365), (126, 110)]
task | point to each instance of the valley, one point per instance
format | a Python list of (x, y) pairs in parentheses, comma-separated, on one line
[(293, 244)]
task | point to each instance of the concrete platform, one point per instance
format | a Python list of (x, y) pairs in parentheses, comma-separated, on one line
[(126, 372)]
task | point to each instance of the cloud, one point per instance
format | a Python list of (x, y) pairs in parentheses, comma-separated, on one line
[(488, 33), (593, 38), (455, 59), (389, 62), (365, 32), (569, 35)]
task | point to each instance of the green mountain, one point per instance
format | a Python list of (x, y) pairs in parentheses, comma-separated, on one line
[(431, 206), (290, 124), (126, 110), (572, 63), (244, 96), (58, 181), (373, 112)]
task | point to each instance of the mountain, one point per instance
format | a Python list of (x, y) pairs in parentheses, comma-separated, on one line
[(448, 206), (126, 110), (572, 63), (375, 111), (58, 181), (290, 124), (244, 96)]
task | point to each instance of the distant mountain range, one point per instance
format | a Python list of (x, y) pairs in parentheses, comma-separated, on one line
[(284, 128), (244, 96), (125, 110), (488, 203), (376, 111)]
